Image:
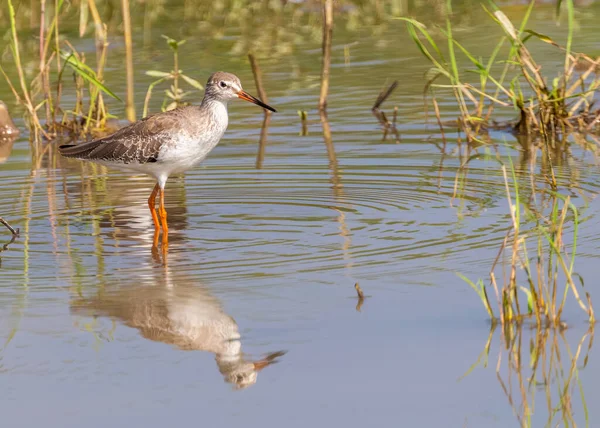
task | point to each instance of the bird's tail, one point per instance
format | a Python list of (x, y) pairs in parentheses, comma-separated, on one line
[(75, 150)]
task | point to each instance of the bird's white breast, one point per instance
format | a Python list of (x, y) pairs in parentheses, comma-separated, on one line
[(192, 145)]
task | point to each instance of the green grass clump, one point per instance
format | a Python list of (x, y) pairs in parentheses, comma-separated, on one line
[(58, 60), (546, 109)]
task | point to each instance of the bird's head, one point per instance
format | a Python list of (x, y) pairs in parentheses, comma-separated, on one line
[(224, 86)]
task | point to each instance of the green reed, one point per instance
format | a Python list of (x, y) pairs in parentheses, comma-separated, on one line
[(174, 96), (536, 265), (546, 109)]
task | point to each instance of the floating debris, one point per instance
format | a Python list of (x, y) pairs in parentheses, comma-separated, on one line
[(361, 296)]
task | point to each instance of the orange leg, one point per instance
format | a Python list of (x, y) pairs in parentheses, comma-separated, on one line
[(163, 217), (152, 205)]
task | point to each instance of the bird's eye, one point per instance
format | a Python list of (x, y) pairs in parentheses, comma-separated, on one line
[(222, 84)]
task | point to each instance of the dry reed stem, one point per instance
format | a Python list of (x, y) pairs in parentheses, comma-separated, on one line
[(130, 102), (327, 37), (43, 65), (267, 114), (101, 109), (21, 73), (258, 81)]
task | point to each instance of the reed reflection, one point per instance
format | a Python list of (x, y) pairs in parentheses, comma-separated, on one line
[(6, 145), (541, 360), (179, 313), (338, 188)]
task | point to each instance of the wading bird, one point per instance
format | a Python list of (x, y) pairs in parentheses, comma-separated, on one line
[(169, 142)]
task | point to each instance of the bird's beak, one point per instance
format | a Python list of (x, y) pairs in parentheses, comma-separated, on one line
[(259, 365), (246, 96)]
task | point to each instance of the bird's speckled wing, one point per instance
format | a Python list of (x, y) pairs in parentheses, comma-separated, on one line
[(139, 142)]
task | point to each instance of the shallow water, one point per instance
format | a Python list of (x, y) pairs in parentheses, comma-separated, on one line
[(97, 329)]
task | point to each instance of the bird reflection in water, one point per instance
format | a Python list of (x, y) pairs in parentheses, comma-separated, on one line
[(8, 133), (6, 145), (121, 213), (185, 316)]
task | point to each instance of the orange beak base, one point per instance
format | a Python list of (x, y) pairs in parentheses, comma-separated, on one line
[(246, 96)]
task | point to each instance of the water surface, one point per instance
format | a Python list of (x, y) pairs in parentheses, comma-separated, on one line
[(251, 318)]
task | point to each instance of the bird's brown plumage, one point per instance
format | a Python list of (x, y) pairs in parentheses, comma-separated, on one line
[(139, 142)]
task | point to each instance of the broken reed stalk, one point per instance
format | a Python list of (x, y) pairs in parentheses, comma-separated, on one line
[(327, 37), (15, 232), (381, 116), (129, 104), (383, 95), (267, 114)]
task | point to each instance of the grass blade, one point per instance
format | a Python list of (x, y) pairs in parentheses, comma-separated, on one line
[(87, 73)]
